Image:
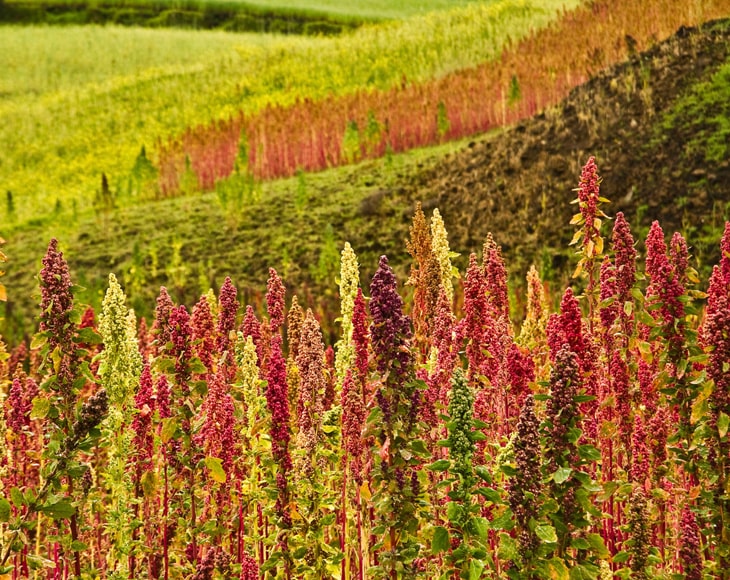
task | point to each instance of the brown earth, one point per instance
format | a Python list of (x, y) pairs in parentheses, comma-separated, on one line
[(519, 184)]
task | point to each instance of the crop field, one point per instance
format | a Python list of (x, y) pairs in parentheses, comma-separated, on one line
[(365, 290), (590, 441), (90, 128)]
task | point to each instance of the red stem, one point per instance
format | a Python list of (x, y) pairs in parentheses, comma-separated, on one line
[(165, 508)]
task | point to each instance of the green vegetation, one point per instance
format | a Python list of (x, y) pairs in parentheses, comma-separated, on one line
[(366, 9), (226, 15), (49, 62), (57, 144), (355, 11), (704, 113)]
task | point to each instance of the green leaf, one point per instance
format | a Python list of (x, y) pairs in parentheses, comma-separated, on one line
[(59, 510), (503, 522), (169, 426), (483, 473), (588, 453), (480, 526), (723, 422), (598, 546), (491, 494), (419, 448), (621, 557), (562, 474), (165, 365), (148, 482), (440, 542), (38, 562), (440, 465), (645, 318), (508, 470), (584, 572), (508, 548), (215, 467), (699, 409), (197, 367), (584, 398), (78, 546), (574, 434), (4, 510), (453, 511), (16, 497), (558, 569), (272, 562), (300, 552), (75, 316), (88, 335), (40, 408), (580, 544), (476, 567), (39, 340), (546, 533)]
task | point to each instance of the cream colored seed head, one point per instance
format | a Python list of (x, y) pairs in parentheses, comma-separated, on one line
[(440, 245)]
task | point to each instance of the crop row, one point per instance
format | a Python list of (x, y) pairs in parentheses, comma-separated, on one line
[(587, 442), (313, 134)]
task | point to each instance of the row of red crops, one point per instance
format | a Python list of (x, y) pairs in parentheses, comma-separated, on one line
[(590, 442), (531, 75)]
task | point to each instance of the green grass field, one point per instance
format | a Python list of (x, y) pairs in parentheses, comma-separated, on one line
[(64, 119)]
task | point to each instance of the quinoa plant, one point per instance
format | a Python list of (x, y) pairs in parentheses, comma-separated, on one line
[(119, 370), (443, 254), (394, 425), (465, 541), (70, 426), (567, 466), (425, 277), (277, 400), (315, 557)]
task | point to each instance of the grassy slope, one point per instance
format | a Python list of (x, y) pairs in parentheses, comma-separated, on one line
[(516, 183), (56, 145)]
